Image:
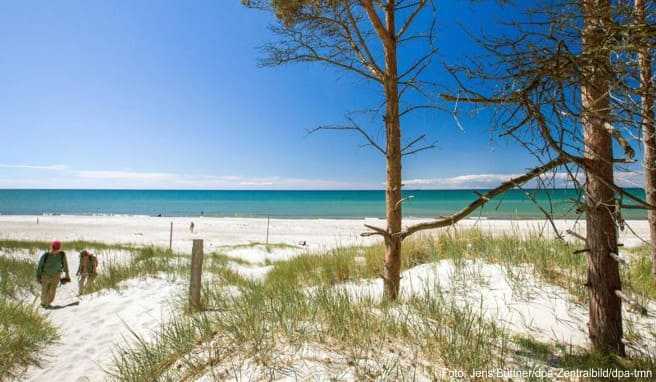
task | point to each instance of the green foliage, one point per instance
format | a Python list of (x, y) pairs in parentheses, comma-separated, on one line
[(23, 330), (17, 275), (36, 246), (257, 321), (573, 358), (637, 277), (23, 333)]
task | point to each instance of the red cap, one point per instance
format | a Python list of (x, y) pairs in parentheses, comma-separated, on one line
[(56, 245)]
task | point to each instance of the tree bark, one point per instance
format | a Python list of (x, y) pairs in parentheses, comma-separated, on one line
[(605, 309), (392, 269), (648, 129)]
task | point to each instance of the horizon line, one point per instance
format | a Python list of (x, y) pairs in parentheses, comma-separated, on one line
[(284, 189)]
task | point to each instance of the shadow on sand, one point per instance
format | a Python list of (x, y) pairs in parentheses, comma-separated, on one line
[(54, 307)]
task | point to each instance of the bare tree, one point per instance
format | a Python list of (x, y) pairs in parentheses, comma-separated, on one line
[(646, 91), (561, 90), (364, 37), (605, 308)]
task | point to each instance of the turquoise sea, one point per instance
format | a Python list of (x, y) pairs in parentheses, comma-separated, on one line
[(284, 204)]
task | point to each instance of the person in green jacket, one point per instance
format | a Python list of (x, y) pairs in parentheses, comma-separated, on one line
[(48, 272)]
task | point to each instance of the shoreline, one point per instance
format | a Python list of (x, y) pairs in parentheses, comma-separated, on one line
[(309, 233), (296, 217)]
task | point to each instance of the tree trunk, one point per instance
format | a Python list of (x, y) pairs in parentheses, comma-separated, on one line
[(605, 326), (648, 130), (392, 271)]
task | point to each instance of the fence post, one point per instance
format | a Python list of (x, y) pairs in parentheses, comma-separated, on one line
[(267, 237), (196, 272), (171, 238)]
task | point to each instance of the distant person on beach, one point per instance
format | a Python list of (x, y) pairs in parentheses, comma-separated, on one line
[(48, 272), (87, 270), (191, 227)]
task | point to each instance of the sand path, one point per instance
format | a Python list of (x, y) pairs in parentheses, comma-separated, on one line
[(91, 330)]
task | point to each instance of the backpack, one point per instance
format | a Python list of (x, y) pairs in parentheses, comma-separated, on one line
[(63, 257), (92, 263)]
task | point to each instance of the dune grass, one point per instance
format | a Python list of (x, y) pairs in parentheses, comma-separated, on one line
[(568, 358), (159, 262), (553, 261), (263, 326), (266, 321), (637, 276), (254, 327), (255, 323), (76, 245), (17, 276), (148, 261), (269, 247), (23, 330)]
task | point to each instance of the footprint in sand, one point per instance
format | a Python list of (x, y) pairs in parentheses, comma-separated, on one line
[(83, 379)]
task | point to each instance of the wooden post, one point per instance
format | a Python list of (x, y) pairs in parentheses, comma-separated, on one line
[(171, 238), (196, 272), (267, 236)]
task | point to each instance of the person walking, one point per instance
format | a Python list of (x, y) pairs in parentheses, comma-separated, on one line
[(87, 270), (48, 272)]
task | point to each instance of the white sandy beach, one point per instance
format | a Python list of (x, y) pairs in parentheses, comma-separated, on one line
[(91, 331), (316, 233)]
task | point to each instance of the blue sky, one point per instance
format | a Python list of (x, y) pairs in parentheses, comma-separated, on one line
[(167, 94)]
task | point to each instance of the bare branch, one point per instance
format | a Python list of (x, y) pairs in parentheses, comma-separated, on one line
[(383, 33), (410, 19), (483, 199), (376, 231), (353, 127), (631, 302)]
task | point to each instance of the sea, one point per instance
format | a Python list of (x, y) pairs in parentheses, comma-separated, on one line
[(336, 204)]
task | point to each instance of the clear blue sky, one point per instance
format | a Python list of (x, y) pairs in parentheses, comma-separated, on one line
[(167, 94)]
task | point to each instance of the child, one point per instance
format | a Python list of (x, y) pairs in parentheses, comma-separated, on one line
[(86, 270), (48, 272)]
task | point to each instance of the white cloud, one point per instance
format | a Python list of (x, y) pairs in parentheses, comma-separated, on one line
[(54, 167), (486, 181), (461, 181), (126, 175), (65, 177)]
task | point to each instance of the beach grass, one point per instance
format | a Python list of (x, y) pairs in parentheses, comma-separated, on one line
[(268, 325), (553, 261), (564, 357), (159, 262), (17, 276), (23, 330), (23, 333), (36, 246), (296, 307), (145, 262), (269, 247)]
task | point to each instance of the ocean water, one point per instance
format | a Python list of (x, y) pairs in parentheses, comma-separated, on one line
[(284, 204)]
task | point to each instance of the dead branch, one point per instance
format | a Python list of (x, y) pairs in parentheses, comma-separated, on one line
[(410, 148), (410, 19), (618, 258), (576, 235), (631, 302), (376, 231), (483, 199), (353, 127)]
